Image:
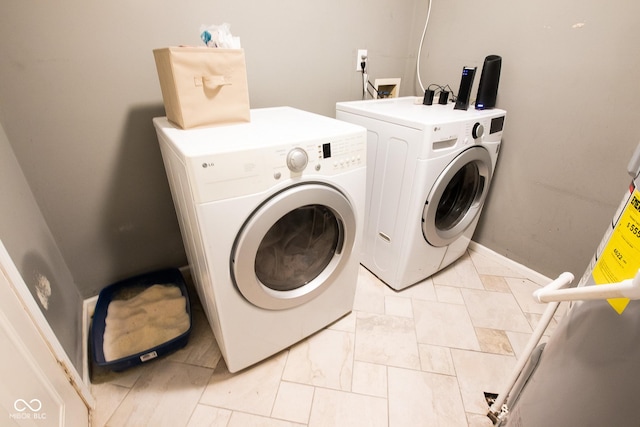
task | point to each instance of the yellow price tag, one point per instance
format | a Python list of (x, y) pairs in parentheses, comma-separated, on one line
[(620, 259)]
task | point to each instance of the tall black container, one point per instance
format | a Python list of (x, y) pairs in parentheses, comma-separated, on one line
[(488, 86)]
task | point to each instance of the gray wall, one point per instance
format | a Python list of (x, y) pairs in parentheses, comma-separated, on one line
[(570, 85), (78, 90), (25, 235)]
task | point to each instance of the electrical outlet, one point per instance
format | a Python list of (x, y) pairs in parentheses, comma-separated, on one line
[(362, 56)]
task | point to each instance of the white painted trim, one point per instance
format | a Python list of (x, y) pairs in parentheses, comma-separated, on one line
[(88, 308), (41, 323), (526, 272)]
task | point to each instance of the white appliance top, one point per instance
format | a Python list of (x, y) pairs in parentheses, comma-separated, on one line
[(268, 127), (409, 111), (279, 146)]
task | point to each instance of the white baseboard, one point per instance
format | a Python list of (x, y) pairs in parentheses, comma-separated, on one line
[(88, 308), (525, 271)]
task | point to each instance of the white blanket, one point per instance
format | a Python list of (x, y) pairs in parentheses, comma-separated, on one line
[(153, 317)]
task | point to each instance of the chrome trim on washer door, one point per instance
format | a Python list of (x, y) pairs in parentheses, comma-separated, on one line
[(264, 228), (457, 196)]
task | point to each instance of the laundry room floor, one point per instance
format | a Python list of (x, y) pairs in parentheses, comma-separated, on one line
[(419, 357)]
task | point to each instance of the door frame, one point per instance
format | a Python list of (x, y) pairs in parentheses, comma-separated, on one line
[(19, 288)]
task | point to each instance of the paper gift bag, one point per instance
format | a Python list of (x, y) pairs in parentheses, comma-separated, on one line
[(203, 86)]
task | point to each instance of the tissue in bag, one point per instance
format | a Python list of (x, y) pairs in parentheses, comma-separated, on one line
[(219, 36)]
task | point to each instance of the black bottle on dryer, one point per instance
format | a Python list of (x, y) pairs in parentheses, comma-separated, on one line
[(488, 86)]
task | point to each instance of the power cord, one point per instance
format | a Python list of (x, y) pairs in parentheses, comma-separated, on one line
[(424, 32), (378, 93), (436, 88), (366, 83), (365, 76)]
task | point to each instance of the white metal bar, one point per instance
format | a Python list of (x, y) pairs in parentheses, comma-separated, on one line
[(629, 288), (562, 281)]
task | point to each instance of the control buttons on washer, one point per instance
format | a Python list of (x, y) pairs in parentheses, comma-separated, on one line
[(297, 160), (477, 131), (277, 175), (318, 167)]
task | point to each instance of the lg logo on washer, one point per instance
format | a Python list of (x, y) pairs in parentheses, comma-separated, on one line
[(207, 165)]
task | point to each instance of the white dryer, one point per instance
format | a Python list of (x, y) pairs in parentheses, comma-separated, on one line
[(271, 213), (429, 168)]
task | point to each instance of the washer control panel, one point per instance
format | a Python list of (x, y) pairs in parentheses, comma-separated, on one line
[(451, 136)]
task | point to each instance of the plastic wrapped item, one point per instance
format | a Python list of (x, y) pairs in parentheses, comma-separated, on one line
[(219, 36)]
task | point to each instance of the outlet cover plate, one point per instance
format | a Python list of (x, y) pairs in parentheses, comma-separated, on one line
[(391, 85)]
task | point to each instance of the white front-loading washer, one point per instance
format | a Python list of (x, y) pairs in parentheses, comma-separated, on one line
[(429, 168), (271, 213)]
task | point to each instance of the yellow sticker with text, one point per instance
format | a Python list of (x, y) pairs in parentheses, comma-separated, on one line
[(620, 259)]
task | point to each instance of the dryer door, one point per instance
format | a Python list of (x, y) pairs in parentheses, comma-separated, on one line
[(294, 246), (457, 196)]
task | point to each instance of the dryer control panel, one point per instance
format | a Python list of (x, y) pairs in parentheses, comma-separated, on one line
[(342, 154), (236, 173), (326, 157), (277, 147)]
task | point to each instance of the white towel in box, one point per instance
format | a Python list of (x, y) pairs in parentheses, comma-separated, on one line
[(153, 317)]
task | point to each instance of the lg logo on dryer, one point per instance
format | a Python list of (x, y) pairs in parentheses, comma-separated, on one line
[(208, 165)]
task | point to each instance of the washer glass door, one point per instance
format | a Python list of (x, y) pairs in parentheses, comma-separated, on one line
[(293, 246), (297, 247), (457, 196)]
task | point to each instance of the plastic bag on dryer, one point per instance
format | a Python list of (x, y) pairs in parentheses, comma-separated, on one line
[(219, 36)]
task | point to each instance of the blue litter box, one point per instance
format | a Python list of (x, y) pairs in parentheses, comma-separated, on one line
[(124, 290)]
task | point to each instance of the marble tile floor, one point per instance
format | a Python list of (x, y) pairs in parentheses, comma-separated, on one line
[(423, 356)]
